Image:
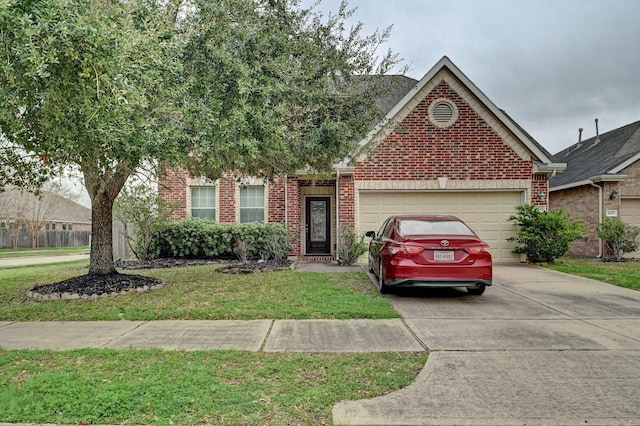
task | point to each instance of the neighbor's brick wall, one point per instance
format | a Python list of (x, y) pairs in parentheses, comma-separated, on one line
[(582, 204), (469, 149), (630, 187)]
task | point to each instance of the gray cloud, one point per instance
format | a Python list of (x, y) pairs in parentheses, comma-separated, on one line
[(553, 65)]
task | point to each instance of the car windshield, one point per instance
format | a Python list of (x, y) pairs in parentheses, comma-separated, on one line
[(439, 227)]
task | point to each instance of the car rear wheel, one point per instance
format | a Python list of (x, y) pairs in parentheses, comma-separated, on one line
[(477, 290), (384, 289)]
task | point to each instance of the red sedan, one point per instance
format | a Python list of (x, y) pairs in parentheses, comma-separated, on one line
[(429, 251)]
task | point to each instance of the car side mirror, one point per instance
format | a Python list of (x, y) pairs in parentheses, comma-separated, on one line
[(370, 234)]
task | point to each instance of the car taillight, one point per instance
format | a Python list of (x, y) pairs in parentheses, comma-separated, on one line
[(405, 249), (476, 249)]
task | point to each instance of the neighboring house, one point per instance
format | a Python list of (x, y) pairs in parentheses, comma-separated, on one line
[(443, 147), (26, 219), (602, 179), (52, 210), (69, 215)]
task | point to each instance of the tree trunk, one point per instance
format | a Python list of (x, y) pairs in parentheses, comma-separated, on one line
[(102, 235), (34, 239)]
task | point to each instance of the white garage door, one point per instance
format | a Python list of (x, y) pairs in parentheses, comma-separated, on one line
[(630, 213), (485, 212)]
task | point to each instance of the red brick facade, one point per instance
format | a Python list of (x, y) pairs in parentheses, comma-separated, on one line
[(418, 150), (473, 153)]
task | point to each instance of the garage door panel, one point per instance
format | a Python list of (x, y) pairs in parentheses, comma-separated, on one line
[(485, 212)]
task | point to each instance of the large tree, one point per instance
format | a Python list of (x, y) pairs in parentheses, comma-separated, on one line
[(253, 86)]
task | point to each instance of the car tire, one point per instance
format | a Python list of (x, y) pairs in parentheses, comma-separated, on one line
[(384, 289), (371, 266), (477, 290)]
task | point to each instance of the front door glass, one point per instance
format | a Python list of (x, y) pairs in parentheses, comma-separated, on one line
[(318, 226)]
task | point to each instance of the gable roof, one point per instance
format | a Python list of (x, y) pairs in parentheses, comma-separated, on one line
[(606, 154), (61, 209), (542, 157)]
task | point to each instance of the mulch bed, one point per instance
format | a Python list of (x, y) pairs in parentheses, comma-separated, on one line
[(96, 286)]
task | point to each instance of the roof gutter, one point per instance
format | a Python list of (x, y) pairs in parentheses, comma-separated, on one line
[(551, 169), (590, 181)]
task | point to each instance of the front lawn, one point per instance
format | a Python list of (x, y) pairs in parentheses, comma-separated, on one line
[(198, 292), (100, 386), (623, 274)]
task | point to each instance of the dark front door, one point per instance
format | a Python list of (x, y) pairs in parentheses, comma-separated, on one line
[(318, 225)]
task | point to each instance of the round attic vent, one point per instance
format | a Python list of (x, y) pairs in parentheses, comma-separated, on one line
[(443, 113)]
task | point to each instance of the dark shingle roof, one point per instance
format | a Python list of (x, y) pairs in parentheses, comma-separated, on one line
[(598, 155), (535, 142), (400, 85)]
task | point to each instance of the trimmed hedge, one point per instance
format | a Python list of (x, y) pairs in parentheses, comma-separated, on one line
[(199, 238)]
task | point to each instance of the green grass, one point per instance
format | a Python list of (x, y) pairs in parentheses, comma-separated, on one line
[(42, 251), (187, 388), (623, 274), (198, 292)]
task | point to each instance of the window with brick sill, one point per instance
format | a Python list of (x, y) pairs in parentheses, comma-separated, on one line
[(252, 204), (203, 202)]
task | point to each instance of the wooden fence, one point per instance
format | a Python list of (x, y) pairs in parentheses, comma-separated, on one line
[(60, 238), (48, 238)]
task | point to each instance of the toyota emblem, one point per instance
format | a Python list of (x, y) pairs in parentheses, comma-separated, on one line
[(444, 243)]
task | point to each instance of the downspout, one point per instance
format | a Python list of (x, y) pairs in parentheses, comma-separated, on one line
[(599, 216), (337, 214)]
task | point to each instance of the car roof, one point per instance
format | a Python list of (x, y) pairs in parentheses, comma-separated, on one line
[(426, 217)]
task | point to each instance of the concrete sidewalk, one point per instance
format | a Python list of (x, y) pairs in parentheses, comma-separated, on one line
[(390, 335)]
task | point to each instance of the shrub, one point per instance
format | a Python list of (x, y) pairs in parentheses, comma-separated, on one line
[(619, 237), (544, 236), (350, 245), (198, 238), (141, 210)]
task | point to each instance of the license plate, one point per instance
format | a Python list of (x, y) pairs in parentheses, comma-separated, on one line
[(443, 256)]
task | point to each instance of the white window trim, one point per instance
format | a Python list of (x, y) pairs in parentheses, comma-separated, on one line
[(199, 182), (252, 181)]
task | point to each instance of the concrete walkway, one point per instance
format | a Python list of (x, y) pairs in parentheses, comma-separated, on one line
[(39, 260), (538, 348)]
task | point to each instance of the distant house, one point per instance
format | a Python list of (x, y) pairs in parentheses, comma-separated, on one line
[(23, 213), (602, 179), (443, 147)]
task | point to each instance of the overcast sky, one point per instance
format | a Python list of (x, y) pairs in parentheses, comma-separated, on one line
[(552, 65)]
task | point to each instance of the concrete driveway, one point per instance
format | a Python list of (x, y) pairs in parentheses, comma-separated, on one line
[(538, 348)]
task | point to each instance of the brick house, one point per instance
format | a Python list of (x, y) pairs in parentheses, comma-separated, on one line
[(602, 179), (443, 147)]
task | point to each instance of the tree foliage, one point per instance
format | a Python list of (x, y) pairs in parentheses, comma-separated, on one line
[(254, 86), (544, 236), (619, 236), (141, 210)]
